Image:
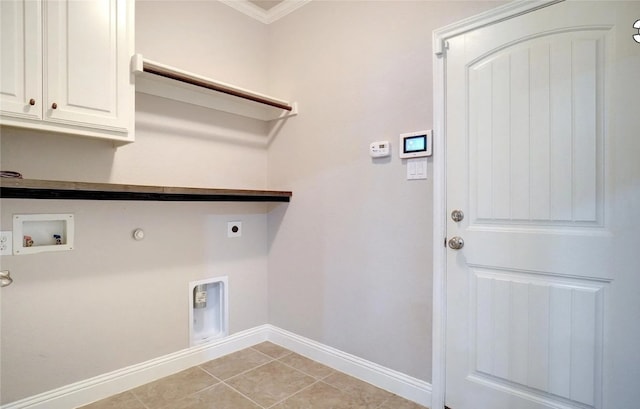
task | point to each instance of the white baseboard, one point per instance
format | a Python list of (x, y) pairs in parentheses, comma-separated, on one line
[(393, 381), (102, 386)]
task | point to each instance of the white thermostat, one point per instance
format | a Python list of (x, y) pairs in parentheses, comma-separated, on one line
[(379, 149), (416, 144)]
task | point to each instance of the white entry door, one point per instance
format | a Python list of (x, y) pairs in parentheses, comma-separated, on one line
[(543, 146)]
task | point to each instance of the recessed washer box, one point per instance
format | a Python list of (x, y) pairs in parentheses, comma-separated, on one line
[(208, 310), (37, 233)]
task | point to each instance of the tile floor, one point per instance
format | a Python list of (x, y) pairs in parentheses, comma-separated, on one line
[(263, 376)]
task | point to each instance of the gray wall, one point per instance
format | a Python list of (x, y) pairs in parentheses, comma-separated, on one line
[(350, 259)]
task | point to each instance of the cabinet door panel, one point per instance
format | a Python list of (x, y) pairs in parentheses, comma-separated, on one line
[(85, 50), (21, 58), (91, 56)]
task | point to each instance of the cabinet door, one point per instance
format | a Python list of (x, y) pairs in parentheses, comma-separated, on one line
[(21, 58), (86, 64)]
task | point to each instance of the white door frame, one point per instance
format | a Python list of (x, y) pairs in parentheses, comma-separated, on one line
[(440, 38)]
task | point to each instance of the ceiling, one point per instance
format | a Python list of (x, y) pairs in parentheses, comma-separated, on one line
[(266, 5)]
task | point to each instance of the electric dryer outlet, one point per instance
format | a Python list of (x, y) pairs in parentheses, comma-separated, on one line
[(234, 229)]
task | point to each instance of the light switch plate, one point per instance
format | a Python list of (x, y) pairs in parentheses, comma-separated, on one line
[(416, 168), (6, 243)]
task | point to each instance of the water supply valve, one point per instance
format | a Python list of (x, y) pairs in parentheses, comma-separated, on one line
[(200, 296)]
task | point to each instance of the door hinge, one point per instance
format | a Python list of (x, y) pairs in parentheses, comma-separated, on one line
[(441, 48)]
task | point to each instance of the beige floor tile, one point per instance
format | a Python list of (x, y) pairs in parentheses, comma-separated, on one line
[(271, 349), (219, 396), (175, 387), (236, 363), (124, 400), (271, 383), (255, 379), (396, 402), (306, 365), (367, 392), (323, 396)]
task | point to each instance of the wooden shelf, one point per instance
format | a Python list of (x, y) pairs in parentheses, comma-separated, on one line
[(49, 189), (173, 83)]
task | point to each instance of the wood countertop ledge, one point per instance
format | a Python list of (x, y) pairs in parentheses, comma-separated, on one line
[(11, 188)]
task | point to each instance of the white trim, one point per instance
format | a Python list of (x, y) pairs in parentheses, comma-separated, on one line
[(102, 386), (440, 37), (438, 342), (388, 379), (284, 8), (265, 16), (489, 17)]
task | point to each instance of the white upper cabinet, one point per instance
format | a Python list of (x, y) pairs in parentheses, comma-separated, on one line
[(65, 66), (21, 59)]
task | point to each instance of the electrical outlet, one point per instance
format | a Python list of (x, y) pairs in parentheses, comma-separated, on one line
[(234, 229), (6, 243)]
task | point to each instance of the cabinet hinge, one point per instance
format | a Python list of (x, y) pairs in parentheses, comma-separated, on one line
[(445, 242)]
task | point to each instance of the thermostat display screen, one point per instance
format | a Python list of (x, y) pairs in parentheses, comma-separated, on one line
[(415, 144)]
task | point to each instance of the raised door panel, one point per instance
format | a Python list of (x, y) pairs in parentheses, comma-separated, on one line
[(537, 336), (536, 132), (21, 59), (87, 75), (536, 146)]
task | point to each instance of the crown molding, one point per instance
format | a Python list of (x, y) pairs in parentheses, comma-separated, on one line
[(284, 8), (264, 16)]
